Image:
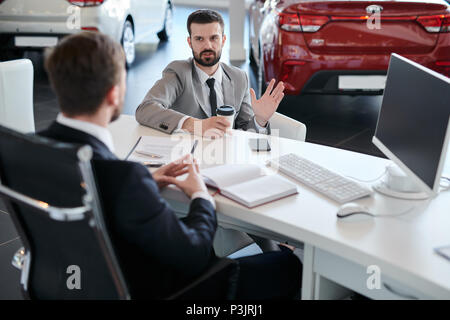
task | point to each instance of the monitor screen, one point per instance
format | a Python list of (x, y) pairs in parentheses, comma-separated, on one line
[(414, 116)]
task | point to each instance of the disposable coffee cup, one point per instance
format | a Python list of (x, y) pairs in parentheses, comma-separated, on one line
[(228, 113)]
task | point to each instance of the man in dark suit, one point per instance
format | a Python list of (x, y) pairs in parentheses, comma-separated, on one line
[(158, 252)]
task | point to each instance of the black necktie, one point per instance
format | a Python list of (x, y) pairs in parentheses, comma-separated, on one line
[(212, 96)]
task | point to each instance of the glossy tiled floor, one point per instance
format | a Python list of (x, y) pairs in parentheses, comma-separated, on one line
[(340, 121)]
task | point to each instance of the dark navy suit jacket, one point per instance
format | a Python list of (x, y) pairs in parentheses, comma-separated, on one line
[(158, 252)]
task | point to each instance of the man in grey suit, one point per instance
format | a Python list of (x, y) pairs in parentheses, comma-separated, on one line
[(190, 90)]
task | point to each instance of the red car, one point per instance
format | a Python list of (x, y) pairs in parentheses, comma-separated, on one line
[(345, 46)]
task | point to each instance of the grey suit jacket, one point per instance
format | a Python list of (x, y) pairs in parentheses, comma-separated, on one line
[(179, 93)]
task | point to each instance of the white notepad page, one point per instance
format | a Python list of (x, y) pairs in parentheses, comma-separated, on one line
[(261, 190), (248, 184), (168, 148), (226, 175)]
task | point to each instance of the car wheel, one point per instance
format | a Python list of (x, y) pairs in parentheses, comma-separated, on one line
[(128, 43), (166, 32)]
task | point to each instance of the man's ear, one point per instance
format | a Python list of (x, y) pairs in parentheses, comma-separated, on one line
[(189, 41), (224, 38)]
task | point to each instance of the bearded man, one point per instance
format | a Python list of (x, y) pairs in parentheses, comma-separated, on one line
[(190, 91)]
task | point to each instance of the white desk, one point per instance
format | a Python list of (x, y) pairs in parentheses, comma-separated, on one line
[(336, 251)]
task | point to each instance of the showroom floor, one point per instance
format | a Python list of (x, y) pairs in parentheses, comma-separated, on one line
[(346, 122)]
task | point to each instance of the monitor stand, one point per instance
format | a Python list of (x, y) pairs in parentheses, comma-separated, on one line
[(398, 185)]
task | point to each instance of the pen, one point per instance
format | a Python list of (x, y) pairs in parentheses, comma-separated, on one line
[(194, 146), (152, 164), (148, 154)]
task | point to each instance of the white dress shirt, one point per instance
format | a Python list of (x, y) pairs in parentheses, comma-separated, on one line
[(218, 75), (105, 136), (203, 76), (90, 128)]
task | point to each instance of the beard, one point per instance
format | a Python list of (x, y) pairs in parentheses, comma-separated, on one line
[(207, 62)]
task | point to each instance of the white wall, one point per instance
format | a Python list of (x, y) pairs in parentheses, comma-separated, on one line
[(207, 3)]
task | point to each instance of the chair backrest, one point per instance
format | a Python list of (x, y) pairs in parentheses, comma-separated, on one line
[(16, 95), (288, 127), (50, 191)]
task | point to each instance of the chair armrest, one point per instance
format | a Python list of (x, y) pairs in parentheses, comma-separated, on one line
[(19, 258), (219, 281)]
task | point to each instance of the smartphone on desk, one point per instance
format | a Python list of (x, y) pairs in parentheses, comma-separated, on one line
[(260, 144)]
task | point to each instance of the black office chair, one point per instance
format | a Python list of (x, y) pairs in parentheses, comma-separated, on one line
[(50, 191)]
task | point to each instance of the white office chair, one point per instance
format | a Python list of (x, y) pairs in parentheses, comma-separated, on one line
[(16, 95), (288, 127)]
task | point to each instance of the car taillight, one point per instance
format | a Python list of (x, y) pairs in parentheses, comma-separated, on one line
[(312, 23), (436, 23), (94, 29), (446, 24), (365, 18), (86, 3), (289, 21), (301, 23)]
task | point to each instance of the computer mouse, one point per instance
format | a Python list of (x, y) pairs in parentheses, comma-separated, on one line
[(352, 208)]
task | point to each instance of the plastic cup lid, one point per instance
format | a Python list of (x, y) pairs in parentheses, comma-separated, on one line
[(225, 110)]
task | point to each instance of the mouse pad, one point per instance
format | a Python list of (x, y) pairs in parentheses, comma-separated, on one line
[(444, 251)]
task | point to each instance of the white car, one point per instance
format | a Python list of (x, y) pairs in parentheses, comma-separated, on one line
[(34, 24)]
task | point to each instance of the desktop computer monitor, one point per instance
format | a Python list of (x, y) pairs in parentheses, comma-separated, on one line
[(413, 124)]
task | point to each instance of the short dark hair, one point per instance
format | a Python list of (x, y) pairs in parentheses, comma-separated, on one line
[(204, 16), (82, 68)]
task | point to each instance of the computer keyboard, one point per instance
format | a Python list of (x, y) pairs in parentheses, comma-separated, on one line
[(328, 183)]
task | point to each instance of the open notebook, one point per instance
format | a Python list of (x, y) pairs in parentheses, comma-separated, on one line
[(247, 184)]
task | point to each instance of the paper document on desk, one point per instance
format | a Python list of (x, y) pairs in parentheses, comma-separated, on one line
[(248, 184), (162, 150)]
